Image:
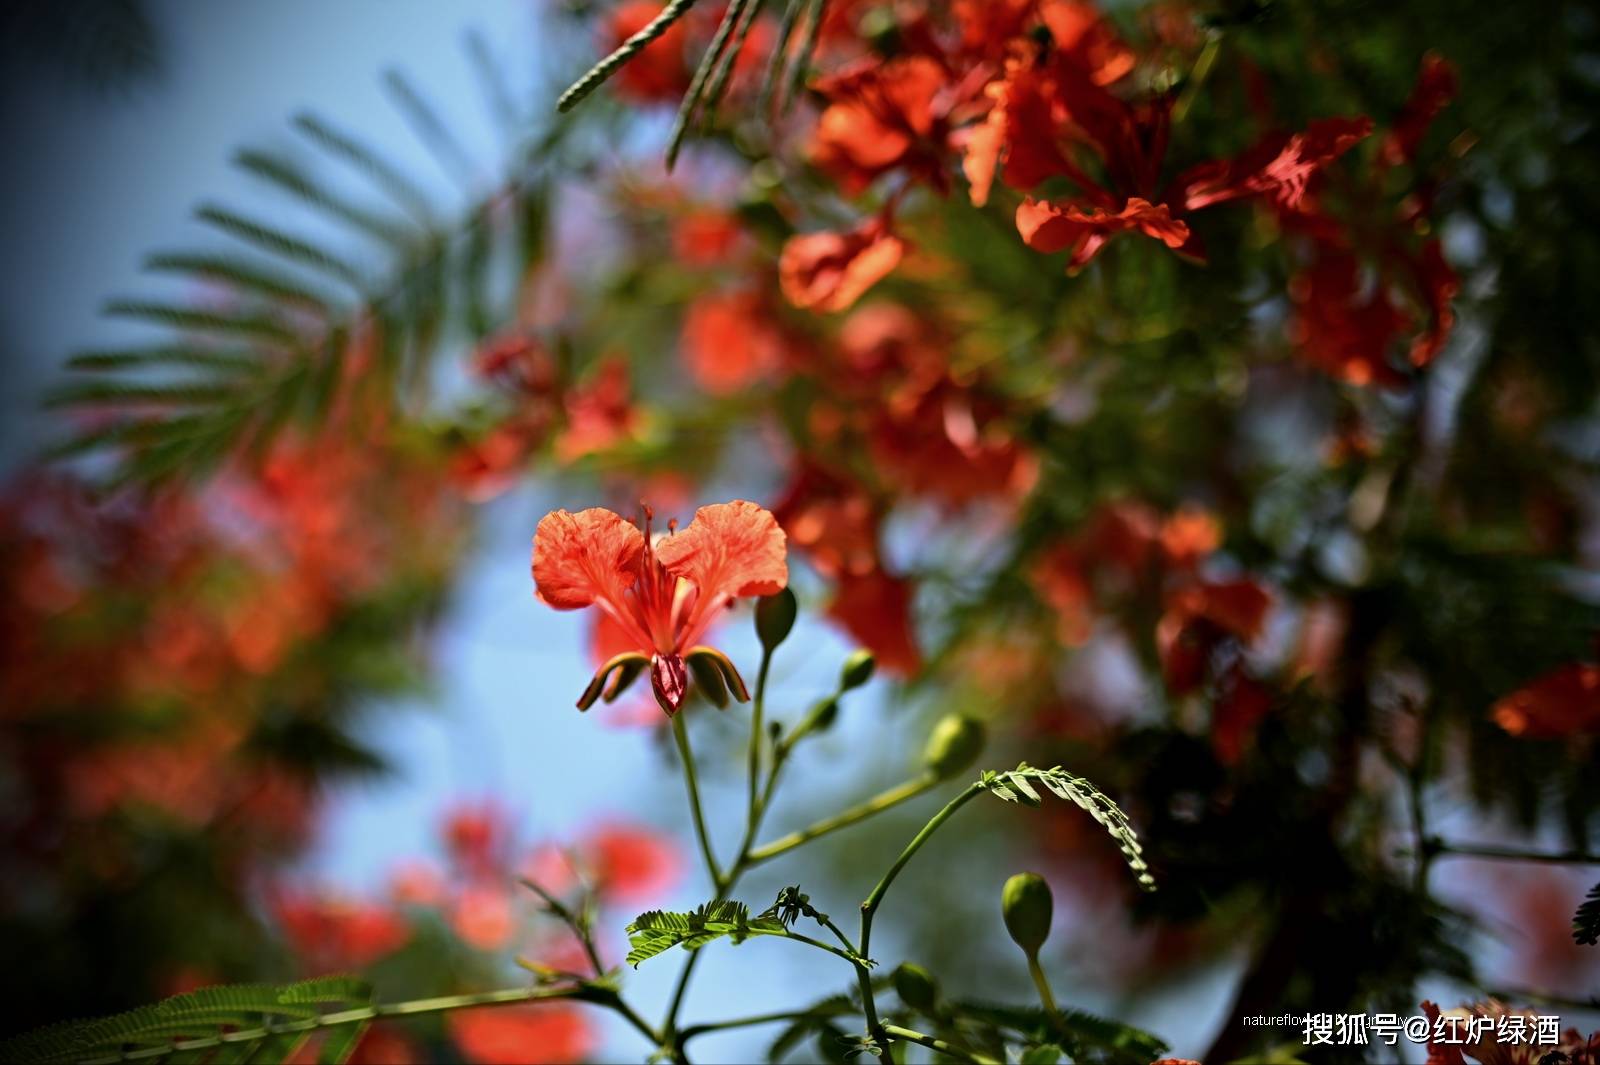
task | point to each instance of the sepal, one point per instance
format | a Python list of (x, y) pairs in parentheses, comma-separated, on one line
[(627, 667), (709, 657)]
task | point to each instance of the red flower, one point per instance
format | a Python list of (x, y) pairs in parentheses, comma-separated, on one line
[(600, 412), (832, 519), (511, 1035), (1199, 618), (705, 237), (518, 363), (662, 595), (1061, 582), (482, 915), (330, 933), (476, 837), (884, 115), (1341, 327), (1436, 86), (1564, 702), (729, 342), (1241, 704), (875, 608), (1279, 167), (630, 864), (1438, 285), (1048, 228), (830, 271)]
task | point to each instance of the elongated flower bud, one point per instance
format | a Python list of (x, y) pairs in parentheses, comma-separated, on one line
[(953, 745), (775, 616), (1026, 903), (916, 986), (857, 670)]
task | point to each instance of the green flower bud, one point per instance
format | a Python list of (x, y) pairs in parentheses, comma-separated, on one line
[(775, 616), (823, 714), (953, 745), (857, 670), (916, 986), (1026, 903)]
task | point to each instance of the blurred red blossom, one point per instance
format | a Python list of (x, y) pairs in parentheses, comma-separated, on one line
[(512, 1035), (730, 341), (830, 271), (330, 932), (1564, 702)]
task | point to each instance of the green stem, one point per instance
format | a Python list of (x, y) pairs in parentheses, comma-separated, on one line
[(757, 716), (724, 883), (870, 906), (896, 795), (583, 993), (838, 934), (1047, 998), (571, 920), (681, 734), (1197, 77), (912, 1036), (750, 1022)]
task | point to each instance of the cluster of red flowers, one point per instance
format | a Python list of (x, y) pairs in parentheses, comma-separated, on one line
[(475, 893), (572, 418), (156, 645), (1044, 93), (1128, 553)]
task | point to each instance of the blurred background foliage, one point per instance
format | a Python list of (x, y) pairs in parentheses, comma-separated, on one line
[(1292, 551)]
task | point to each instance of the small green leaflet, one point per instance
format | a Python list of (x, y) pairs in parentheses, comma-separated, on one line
[(657, 931)]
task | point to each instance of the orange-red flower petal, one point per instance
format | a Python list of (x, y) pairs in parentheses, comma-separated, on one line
[(730, 549), (1047, 228), (830, 271), (584, 557)]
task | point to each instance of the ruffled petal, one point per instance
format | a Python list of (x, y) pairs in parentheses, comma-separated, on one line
[(582, 558), (730, 549), (1047, 227), (875, 609), (830, 271)]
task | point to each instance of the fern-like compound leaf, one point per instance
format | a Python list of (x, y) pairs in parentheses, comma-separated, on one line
[(1018, 785)]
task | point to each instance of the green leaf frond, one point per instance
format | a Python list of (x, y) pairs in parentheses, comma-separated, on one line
[(1017, 785), (216, 1019), (657, 931)]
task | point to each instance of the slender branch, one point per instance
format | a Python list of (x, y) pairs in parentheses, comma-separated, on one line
[(670, 1025), (885, 800), (848, 955), (579, 927), (870, 906), (1445, 849), (838, 933), (761, 1018), (912, 1036), (724, 883), (582, 993), (757, 720), (1197, 76), (692, 782)]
